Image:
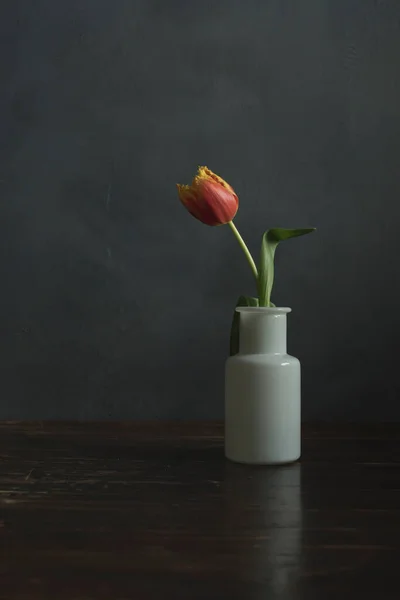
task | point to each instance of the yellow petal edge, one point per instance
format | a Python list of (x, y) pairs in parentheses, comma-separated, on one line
[(204, 173)]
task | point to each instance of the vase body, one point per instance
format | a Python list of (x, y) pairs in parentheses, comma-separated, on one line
[(262, 392)]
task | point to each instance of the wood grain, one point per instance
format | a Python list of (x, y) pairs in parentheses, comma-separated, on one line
[(153, 510)]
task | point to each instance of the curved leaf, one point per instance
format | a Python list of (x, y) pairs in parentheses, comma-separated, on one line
[(234, 339), (270, 240)]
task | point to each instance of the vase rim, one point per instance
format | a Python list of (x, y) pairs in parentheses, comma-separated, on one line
[(264, 310)]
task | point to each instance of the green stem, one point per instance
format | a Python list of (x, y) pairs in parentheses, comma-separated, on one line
[(245, 249)]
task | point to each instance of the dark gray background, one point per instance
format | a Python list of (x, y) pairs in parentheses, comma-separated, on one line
[(115, 303)]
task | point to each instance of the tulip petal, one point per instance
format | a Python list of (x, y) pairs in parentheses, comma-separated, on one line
[(216, 200), (206, 173)]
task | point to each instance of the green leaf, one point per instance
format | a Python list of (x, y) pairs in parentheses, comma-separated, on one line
[(234, 341), (270, 240)]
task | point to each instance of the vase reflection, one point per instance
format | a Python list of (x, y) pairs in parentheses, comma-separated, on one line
[(267, 504)]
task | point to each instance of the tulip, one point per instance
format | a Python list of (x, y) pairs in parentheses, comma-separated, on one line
[(211, 200)]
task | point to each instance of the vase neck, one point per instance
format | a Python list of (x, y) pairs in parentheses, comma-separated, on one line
[(262, 333)]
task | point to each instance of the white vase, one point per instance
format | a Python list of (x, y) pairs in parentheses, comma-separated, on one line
[(262, 392)]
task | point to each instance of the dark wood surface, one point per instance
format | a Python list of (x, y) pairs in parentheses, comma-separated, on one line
[(142, 511)]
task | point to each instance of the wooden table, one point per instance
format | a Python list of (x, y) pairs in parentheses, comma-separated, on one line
[(154, 511)]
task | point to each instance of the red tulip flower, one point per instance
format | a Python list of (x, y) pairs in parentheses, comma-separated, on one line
[(210, 199)]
